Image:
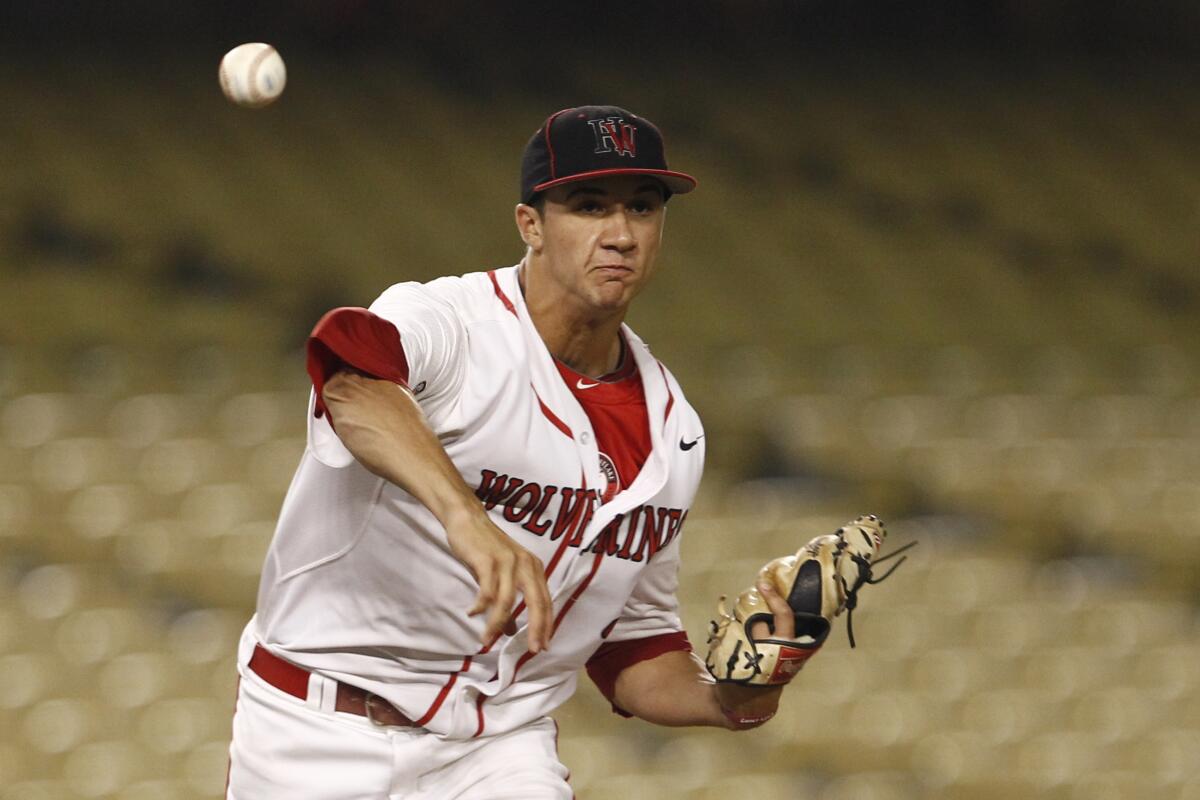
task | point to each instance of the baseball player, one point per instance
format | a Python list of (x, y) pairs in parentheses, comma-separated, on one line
[(496, 476)]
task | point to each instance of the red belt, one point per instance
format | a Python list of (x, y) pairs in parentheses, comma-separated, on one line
[(287, 677)]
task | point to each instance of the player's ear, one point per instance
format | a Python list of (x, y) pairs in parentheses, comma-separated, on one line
[(529, 225)]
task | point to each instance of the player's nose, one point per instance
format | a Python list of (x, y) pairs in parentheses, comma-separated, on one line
[(618, 232)]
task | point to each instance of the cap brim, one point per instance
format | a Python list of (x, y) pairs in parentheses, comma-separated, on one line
[(676, 182)]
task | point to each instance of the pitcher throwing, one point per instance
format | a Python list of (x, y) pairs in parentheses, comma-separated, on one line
[(497, 475)]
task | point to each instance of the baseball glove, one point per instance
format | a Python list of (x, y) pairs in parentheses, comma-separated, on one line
[(819, 582)]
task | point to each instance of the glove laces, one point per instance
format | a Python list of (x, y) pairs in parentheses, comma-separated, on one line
[(866, 578)]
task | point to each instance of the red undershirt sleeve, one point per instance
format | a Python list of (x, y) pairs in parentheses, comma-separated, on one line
[(354, 337), (607, 662)]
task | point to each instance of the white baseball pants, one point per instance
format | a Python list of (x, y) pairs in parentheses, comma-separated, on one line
[(284, 748)]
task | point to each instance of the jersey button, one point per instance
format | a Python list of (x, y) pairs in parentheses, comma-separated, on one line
[(585, 437)]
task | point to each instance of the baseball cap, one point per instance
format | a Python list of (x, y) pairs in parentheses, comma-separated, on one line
[(594, 142)]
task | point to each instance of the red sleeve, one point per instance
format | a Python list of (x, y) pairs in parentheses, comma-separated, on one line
[(357, 338), (607, 663)]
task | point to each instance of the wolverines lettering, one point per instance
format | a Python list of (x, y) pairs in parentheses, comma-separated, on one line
[(556, 512)]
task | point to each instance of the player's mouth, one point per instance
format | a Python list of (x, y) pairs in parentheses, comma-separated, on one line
[(613, 269)]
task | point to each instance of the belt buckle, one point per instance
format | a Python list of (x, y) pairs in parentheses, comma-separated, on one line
[(368, 702)]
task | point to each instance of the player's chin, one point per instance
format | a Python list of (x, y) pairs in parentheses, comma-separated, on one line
[(614, 294)]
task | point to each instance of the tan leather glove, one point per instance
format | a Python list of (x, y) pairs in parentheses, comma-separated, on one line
[(819, 582)]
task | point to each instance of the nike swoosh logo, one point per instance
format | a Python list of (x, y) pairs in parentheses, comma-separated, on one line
[(689, 445), (579, 384)]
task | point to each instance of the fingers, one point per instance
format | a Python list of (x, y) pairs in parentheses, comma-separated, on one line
[(499, 581), (785, 619), (500, 613), (502, 568), (489, 583), (537, 601)]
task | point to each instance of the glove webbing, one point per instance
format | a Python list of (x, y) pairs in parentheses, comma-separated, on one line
[(865, 578)]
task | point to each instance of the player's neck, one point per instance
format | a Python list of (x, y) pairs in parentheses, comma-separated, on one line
[(587, 345), (587, 352), (586, 341)]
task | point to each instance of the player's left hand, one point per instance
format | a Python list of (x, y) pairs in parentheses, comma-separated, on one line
[(751, 706), (773, 629), (784, 617)]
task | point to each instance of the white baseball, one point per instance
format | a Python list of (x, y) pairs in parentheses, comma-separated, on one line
[(252, 75)]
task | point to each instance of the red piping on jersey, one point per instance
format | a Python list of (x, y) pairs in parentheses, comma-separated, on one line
[(558, 554), (562, 548), (550, 415), (670, 395), (563, 613), (500, 293), (521, 661), (567, 535), (479, 714), (566, 607), (582, 588), (441, 697)]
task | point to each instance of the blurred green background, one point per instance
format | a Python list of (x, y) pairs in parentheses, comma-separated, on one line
[(942, 266)]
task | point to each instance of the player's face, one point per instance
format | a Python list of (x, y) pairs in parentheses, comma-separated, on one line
[(600, 238)]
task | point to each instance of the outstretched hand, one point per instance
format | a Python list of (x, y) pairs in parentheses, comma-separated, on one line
[(502, 568)]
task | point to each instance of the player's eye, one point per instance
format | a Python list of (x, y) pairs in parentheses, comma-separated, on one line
[(644, 206)]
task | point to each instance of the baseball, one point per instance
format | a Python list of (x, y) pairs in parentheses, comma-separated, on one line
[(252, 75)]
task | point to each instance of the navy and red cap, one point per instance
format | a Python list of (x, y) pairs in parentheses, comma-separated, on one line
[(594, 142)]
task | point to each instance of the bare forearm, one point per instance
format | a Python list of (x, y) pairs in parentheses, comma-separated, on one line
[(675, 689), (383, 427)]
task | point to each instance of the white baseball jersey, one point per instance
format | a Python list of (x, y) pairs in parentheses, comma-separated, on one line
[(359, 582)]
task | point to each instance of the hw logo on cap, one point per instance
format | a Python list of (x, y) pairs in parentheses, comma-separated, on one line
[(621, 142), (614, 134)]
